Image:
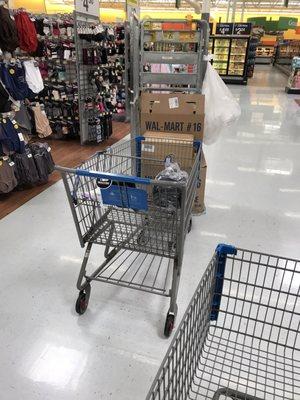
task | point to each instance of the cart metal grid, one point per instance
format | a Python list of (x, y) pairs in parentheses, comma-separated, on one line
[(240, 336), (142, 221)]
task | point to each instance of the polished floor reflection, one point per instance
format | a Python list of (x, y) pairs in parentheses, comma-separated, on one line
[(114, 350)]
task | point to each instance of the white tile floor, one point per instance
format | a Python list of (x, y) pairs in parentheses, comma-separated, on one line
[(114, 350)]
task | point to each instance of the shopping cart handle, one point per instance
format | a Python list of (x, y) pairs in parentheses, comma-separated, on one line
[(113, 177)]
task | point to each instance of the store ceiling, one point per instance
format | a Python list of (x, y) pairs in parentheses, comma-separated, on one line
[(261, 6), (220, 4)]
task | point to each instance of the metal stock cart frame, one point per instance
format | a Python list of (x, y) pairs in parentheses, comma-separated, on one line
[(142, 81), (240, 336), (141, 221)]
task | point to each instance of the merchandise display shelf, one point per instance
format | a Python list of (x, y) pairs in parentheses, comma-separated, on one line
[(264, 54), (230, 57)]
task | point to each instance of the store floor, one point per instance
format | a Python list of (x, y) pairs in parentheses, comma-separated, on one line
[(114, 350), (68, 153)]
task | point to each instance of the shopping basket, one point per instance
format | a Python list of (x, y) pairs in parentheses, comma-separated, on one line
[(239, 338), (142, 221)]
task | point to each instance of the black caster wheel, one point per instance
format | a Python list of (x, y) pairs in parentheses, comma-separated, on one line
[(142, 240), (83, 300), (190, 225), (169, 325)]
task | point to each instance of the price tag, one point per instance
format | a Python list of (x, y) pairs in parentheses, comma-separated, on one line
[(242, 29), (148, 147), (173, 102), (90, 7), (224, 29)]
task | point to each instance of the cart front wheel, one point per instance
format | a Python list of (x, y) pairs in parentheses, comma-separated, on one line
[(83, 300), (169, 325)]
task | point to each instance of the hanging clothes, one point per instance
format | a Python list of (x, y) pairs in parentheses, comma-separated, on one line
[(41, 121), (5, 103), (8, 180), (26, 32), (33, 76), (8, 31), (11, 139), (13, 77)]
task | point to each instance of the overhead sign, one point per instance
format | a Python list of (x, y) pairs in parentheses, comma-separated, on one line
[(90, 7), (242, 28), (224, 28)]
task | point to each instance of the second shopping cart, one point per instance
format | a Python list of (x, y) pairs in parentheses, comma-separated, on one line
[(136, 199)]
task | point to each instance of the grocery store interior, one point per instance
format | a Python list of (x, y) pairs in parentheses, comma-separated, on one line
[(150, 199)]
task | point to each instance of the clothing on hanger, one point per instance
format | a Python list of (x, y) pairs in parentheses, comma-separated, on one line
[(12, 76), (11, 139), (33, 76), (8, 180), (26, 32), (23, 119), (41, 121), (8, 31), (5, 103)]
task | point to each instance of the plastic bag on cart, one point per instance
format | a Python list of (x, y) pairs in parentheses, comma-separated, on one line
[(169, 196), (221, 108)]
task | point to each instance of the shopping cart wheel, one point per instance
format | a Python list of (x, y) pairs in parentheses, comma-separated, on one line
[(190, 225), (169, 325), (83, 300), (142, 240)]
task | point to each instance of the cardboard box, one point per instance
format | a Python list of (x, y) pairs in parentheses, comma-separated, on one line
[(157, 146), (177, 113), (199, 204)]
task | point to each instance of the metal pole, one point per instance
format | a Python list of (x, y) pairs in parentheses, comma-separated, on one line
[(233, 11), (228, 10), (205, 10), (243, 11)]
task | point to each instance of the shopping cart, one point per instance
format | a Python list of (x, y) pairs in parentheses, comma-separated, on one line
[(240, 336), (142, 222)]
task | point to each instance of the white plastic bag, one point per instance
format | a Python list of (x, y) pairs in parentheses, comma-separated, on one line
[(221, 108)]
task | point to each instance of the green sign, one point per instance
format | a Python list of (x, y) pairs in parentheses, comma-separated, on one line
[(285, 23)]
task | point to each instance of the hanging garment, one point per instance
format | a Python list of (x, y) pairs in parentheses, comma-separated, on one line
[(41, 122), (8, 180), (39, 26), (33, 76), (26, 171), (43, 160), (5, 103), (26, 32), (11, 138), (13, 77), (8, 31), (23, 119)]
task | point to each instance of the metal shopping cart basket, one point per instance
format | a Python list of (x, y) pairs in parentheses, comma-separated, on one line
[(142, 222), (239, 338)]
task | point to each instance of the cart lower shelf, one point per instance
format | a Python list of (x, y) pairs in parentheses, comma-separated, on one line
[(139, 271)]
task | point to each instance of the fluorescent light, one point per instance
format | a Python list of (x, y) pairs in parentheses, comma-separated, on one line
[(286, 190), (292, 214), (213, 234), (59, 366), (219, 206), (220, 183), (246, 169)]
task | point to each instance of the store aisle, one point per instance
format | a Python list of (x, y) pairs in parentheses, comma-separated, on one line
[(114, 350)]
